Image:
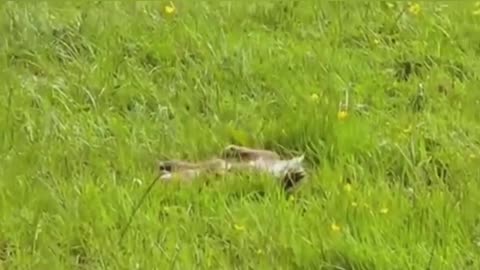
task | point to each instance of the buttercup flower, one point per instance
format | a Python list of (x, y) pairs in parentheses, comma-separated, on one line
[(414, 8), (335, 227), (170, 8), (342, 115)]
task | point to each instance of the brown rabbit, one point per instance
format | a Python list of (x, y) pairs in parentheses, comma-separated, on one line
[(236, 158), (289, 171)]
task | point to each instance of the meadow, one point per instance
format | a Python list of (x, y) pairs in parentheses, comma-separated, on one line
[(382, 98)]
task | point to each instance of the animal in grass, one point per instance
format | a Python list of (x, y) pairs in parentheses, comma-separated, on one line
[(234, 158), (188, 170)]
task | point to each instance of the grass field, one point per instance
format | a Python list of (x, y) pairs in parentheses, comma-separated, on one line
[(383, 99)]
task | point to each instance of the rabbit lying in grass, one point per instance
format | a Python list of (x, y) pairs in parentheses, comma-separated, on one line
[(289, 172)]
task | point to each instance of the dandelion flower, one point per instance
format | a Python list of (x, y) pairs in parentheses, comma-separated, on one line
[(342, 115), (335, 227), (414, 8), (384, 210), (170, 8)]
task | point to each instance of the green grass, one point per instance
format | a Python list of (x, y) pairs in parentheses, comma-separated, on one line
[(94, 92)]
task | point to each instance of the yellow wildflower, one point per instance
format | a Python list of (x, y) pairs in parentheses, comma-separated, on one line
[(384, 210), (476, 12), (342, 115), (414, 8), (170, 8), (376, 41), (347, 187), (335, 227)]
